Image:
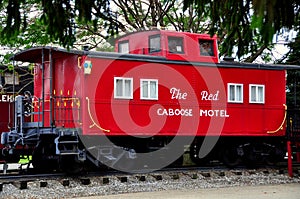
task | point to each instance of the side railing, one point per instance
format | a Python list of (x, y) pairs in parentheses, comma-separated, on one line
[(67, 111), (293, 125), (293, 138)]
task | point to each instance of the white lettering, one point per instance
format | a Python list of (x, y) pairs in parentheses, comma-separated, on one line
[(176, 94), (213, 113), (209, 97), (210, 113), (6, 98), (171, 112), (203, 112), (175, 112)]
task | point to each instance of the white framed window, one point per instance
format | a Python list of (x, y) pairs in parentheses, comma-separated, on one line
[(257, 93), (149, 89), (123, 47), (123, 88), (235, 93)]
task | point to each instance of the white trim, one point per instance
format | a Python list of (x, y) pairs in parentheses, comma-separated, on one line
[(235, 93), (123, 94), (257, 101), (148, 89)]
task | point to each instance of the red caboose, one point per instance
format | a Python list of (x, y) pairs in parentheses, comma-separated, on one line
[(161, 92)]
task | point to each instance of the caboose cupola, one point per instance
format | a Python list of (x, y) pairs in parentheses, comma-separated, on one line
[(172, 45)]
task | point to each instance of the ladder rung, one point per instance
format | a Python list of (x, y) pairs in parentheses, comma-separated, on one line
[(68, 152), (68, 142), (110, 157)]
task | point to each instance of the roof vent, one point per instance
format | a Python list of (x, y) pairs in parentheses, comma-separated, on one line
[(85, 48), (231, 59)]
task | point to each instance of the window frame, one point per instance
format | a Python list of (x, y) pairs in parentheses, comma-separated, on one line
[(154, 50), (122, 43), (257, 94), (148, 89), (123, 96), (176, 38), (1, 81), (235, 93), (206, 53)]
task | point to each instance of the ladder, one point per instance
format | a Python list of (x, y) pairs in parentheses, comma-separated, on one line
[(47, 95)]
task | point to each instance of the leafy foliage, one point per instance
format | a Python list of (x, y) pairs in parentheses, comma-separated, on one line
[(245, 25), (235, 20), (293, 80), (54, 19)]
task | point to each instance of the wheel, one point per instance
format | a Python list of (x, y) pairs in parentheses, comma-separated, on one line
[(230, 157), (43, 159), (275, 155), (178, 162), (10, 158), (253, 155), (124, 164), (70, 164)]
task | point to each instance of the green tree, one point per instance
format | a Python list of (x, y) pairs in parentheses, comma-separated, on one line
[(293, 80), (248, 25), (54, 20), (245, 25)]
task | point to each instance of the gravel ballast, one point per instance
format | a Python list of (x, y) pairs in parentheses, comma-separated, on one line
[(187, 180)]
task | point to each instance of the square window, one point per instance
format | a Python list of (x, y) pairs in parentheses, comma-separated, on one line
[(206, 47), (175, 45), (154, 43), (123, 88), (256, 93), (149, 89), (235, 93), (123, 47)]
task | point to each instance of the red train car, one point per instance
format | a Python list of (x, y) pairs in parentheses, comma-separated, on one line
[(5, 99), (9, 85), (162, 92)]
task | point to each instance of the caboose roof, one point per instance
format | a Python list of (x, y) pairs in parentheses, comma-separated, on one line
[(34, 55)]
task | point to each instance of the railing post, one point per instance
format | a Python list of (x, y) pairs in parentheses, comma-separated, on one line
[(290, 160), (298, 151)]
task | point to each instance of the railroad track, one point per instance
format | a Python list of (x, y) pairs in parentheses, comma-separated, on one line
[(104, 177)]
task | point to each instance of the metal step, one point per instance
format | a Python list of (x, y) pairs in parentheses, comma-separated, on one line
[(32, 124), (110, 157), (68, 142), (68, 152)]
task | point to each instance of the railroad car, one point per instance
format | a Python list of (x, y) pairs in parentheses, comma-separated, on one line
[(4, 107), (161, 94), (5, 98), (11, 83)]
